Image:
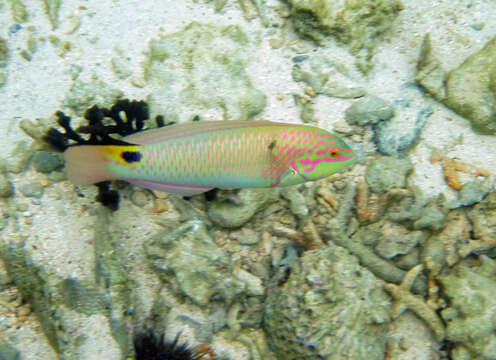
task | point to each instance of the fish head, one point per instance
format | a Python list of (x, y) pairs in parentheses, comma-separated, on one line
[(326, 155)]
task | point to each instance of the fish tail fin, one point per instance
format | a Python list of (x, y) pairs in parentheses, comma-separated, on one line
[(89, 164)]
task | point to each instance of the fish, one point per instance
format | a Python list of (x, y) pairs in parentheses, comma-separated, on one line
[(193, 158)]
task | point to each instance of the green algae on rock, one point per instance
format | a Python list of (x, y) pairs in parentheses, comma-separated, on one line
[(329, 308), (356, 23), (18, 11), (83, 297), (52, 10), (472, 310), (202, 68), (8, 352), (114, 281), (4, 52), (37, 289)]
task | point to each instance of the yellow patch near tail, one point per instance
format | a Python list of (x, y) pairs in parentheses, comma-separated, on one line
[(89, 164)]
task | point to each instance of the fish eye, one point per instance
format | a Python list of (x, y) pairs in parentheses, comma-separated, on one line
[(334, 153), (293, 172)]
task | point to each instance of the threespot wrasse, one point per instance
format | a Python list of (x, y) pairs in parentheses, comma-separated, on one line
[(196, 157)]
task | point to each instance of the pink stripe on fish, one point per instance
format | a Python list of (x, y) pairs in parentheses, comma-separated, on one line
[(315, 162)]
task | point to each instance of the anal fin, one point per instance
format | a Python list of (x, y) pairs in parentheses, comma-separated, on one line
[(184, 190)]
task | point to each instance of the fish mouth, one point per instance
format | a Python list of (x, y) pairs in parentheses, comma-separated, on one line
[(303, 176)]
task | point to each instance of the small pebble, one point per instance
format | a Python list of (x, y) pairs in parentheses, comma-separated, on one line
[(139, 198), (15, 28), (246, 237), (45, 162), (369, 110), (160, 206), (299, 58), (34, 190)]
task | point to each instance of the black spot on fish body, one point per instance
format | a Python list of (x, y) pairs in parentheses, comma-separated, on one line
[(131, 156), (272, 145)]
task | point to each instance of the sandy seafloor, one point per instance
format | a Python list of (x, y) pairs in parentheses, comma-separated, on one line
[(58, 229)]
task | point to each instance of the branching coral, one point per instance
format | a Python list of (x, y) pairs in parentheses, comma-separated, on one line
[(128, 117), (451, 168), (406, 300)]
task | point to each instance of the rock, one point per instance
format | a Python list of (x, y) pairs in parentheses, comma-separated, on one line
[(200, 268), (432, 218), (46, 162), (328, 308), (254, 286), (368, 110), (399, 134), (411, 338), (396, 240), (430, 75), (483, 217), (246, 236), (296, 200), (34, 190), (358, 24), (232, 214), (470, 194), (471, 89), (387, 172), (472, 308), (140, 198)]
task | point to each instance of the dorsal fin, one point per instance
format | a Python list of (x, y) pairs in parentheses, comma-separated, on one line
[(193, 128)]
